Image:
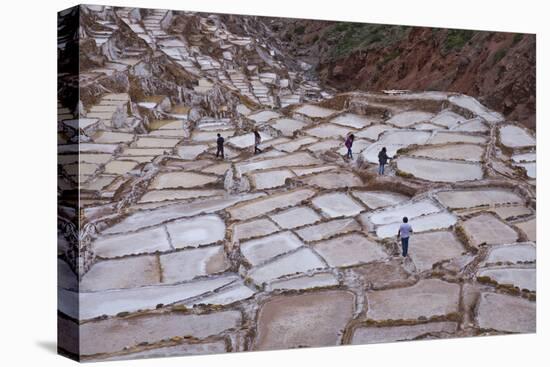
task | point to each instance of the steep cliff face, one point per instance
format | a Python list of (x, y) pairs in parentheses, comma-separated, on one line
[(498, 68)]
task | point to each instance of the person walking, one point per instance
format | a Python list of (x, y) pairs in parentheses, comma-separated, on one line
[(220, 142), (349, 144), (382, 160), (404, 233), (257, 141)]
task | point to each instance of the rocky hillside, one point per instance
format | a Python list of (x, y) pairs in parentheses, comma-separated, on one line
[(498, 68)]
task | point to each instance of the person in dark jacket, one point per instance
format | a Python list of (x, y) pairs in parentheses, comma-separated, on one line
[(257, 142), (220, 142), (349, 144), (382, 160)]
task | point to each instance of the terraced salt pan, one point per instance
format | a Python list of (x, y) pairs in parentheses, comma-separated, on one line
[(119, 167), (471, 198), (523, 278), (234, 293), (314, 111), (327, 144), (98, 183), (87, 148), (295, 217), (109, 137), (328, 229), (305, 320), (329, 131), (214, 347), (168, 195), (475, 125), (425, 223), (530, 169), (265, 205), (393, 141), (254, 228), (486, 228), (289, 160), (444, 137), (270, 179), (373, 132), (247, 140), (406, 119), (471, 104), (260, 250), (98, 158), (410, 303), (308, 171), (448, 118), (337, 204), (333, 180), (358, 146), (186, 265), (349, 250), (299, 261), (143, 151), (410, 210), (529, 228), (136, 271), (427, 126), (181, 179), (379, 199), (440, 171), (521, 252), (506, 313), (210, 136), (463, 152), (352, 120), (295, 144), (151, 329), (112, 302), (153, 142), (524, 157), (368, 335), (305, 282), (263, 116), (196, 231), (217, 169), (288, 126), (147, 218), (426, 249), (146, 241)]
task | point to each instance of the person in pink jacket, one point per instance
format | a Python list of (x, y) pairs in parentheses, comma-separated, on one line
[(349, 144)]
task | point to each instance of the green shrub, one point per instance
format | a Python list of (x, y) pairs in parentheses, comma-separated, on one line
[(456, 39)]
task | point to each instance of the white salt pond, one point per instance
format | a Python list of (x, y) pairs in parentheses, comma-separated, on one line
[(379, 199), (327, 229), (260, 250), (440, 171), (337, 204), (265, 205), (254, 228), (471, 198), (471, 104), (196, 231), (329, 131), (119, 167), (198, 262), (349, 250), (263, 116), (448, 119), (247, 140), (406, 119), (352, 120), (190, 152), (444, 137), (146, 241), (167, 195), (288, 126), (181, 179), (410, 210), (153, 142), (290, 160), (463, 152), (305, 282), (425, 223), (299, 261), (314, 111), (295, 217)]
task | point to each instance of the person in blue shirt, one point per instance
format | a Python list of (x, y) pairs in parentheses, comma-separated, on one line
[(220, 142), (404, 233)]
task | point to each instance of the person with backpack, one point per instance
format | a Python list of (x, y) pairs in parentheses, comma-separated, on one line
[(404, 233), (382, 160), (257, 141), (349, 144), (220, 142)]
